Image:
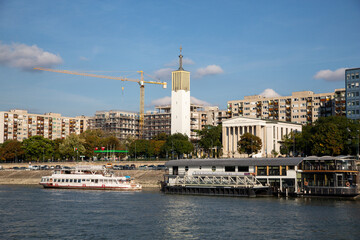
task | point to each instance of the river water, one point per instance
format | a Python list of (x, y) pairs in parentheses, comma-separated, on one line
[(31, 212)]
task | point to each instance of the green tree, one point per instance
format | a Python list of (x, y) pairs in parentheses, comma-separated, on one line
[(72, 147), (210, 137), (326, 140), (155, 147), (139, 148), (249, 144), (292, 143), (333, 135), (38, 148), (92, 139), (177, 145), (11, 150), (161, 136), (113, 143), (56, 143)]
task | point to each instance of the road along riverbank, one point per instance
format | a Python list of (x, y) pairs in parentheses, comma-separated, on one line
[(147, 178)]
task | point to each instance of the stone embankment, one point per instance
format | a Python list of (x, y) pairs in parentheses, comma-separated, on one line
[(147, 178)]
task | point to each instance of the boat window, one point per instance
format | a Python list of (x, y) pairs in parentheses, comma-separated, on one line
[(83, 180), (186, 168), (67, 180), (96, 181), (229, 168), (62, 180), (79, 180), (274, 170), (243, 168), (71, 180), (213, 168), (261, 171), (92, 180)]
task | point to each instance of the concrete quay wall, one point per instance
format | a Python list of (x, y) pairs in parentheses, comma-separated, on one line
[(147, 178)]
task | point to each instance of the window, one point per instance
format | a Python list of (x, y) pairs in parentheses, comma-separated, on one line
[(274, 170), (229, 168), (243, 169), (261, 171), (186, 168), (213, 168)]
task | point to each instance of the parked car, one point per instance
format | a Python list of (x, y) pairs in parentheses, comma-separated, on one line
[(143, 167), (152, 167), (16, 168), (35, 167), (161, 167)]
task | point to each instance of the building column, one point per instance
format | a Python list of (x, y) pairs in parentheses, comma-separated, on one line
[(233, 142), (224, 139)]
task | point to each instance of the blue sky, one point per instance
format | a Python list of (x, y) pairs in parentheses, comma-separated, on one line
[(232, 49)]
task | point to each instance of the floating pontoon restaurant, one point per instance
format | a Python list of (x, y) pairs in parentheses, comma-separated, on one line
[(247, 176), (329, 176)]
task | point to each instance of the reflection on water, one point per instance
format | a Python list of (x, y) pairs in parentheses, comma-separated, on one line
[(37, 213)]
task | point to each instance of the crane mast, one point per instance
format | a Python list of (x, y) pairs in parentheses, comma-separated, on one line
[(141, 83)]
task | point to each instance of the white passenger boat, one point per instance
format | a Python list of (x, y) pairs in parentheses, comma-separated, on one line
[(88, 177)]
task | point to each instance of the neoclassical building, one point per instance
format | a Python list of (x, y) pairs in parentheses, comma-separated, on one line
[(270, 132)]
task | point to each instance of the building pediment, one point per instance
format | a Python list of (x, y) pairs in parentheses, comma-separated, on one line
[(243, 121)]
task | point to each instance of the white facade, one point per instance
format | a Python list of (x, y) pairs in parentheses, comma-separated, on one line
[(180, 101), (271, 134), (180, 112)]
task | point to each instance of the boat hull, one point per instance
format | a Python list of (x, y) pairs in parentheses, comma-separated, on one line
[(114, 188)]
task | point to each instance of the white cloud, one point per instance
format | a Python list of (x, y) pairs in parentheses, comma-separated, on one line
[(163, 74), (161, 101), (269, 93), (167, 101), (209, 70), (197, 101), (27, 57), (331, 76), (175, 62)]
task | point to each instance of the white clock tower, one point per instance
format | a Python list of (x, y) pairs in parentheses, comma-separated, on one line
[(180, 100)]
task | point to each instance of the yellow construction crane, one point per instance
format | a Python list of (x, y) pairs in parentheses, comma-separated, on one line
[(141, 83)]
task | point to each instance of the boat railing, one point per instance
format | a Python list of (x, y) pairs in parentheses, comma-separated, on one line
[(245, 181)]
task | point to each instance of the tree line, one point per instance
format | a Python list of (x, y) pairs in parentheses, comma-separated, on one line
[(38, 148)]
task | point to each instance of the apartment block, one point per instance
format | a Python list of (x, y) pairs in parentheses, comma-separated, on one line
[(122, 124), (339, 103), (157, 122), (301, 107), (352, 81), (160, 120), (19, 125)]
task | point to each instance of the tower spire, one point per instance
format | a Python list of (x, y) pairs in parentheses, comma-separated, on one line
[(180, 60)]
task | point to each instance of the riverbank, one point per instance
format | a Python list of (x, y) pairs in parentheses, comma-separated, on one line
[(147, 178)]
